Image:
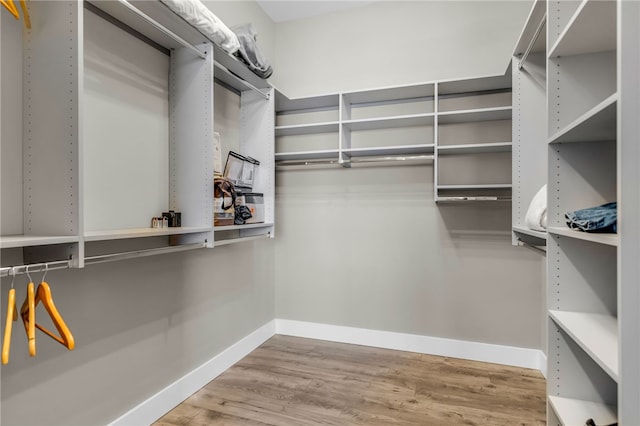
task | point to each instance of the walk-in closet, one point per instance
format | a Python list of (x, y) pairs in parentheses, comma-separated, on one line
[(314, 212)]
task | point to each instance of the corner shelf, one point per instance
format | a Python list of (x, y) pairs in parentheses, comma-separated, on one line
[(530, 236)]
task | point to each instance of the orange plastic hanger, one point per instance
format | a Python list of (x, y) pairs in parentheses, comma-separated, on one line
[(44, 295), (28, 314), (12, 315), (11, 7)]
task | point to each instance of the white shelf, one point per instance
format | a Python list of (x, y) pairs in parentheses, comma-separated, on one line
[(390, 94), (596, 334), (307, 129), (479, 148), (597, 124), (307, 155), (477, 186), (471, 85), (542, 236), (240, 227), (315, 103), (390, 150), (390, 122), (119, 234), (473, 115), (608, 239), (13, 241), (591, 29), (576, 412)]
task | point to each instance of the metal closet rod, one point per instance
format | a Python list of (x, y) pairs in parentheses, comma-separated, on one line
[(7, 271), (532, 42), (188, 45), (66, 264)]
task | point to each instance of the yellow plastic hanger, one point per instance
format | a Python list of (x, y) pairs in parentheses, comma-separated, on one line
[(28, 314), (12, 315), (11, 7), (25, 13), (44, 295)]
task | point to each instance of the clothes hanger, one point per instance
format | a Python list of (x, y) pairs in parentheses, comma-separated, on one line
[(28, 314), (43, 294), (25, 13), (12, 315), (11, 7)]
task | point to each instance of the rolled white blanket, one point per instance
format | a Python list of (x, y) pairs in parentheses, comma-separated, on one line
[(198, 15), (536, 217)]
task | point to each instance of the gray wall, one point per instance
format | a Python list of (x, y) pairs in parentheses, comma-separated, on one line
[(368, 247)]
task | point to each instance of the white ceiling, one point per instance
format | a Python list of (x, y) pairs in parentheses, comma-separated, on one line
[(288, 10)]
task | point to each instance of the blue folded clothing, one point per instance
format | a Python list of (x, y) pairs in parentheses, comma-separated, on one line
[(602, 218)]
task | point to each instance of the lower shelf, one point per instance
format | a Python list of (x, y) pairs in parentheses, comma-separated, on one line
[(596, 334), (119, 234), (576, 412), (530, 236)]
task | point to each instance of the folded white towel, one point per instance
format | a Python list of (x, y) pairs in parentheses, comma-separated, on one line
[(536, 217), (198, 15)]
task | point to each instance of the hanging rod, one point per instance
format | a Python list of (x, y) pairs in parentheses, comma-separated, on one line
[(362, 160), (35, 267), (241, 239), (531, 246), (244, 82), (140, 253), (162, 28), (532, 42)]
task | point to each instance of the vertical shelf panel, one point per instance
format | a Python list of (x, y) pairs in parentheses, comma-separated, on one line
[(52, 111), (191, 140)]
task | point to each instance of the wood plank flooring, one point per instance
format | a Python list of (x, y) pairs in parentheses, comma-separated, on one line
[(299, 382)]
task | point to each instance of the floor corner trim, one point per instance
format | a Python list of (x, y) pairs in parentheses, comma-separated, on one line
[(162, 402), (498, 354)]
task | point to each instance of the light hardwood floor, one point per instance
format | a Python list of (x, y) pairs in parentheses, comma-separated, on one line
[(297, 382)]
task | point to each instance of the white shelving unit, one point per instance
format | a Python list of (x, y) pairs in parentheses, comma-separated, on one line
[(592, 102), (65, 177), (463, 120), (529, 134)]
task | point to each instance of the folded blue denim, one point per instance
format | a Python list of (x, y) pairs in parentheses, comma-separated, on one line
[(602, 218)]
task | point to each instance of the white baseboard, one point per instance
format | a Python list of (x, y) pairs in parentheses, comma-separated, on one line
[(162, 402), (156, 406), (498, 354)]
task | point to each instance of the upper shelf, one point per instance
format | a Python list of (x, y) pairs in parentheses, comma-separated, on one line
[(176, 24), (483, 84), (390, 94), (591, 29), (286, 105)]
